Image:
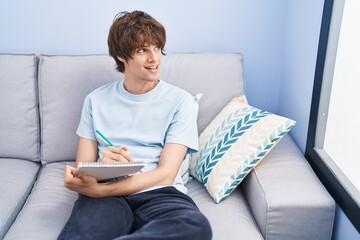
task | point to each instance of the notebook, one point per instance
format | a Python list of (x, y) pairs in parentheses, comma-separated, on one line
[(108, 170)]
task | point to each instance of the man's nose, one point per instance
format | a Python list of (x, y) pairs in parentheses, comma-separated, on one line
[(153, 55)]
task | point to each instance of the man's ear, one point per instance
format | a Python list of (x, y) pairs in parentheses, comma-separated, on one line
[(120, 59)]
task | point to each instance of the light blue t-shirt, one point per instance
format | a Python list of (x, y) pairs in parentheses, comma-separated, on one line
[(143, 123)]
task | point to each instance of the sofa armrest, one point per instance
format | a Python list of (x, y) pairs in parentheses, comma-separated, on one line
[(286, 198)]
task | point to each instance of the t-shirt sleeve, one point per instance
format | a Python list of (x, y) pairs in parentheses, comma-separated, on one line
[(183, 127), (86, 125)]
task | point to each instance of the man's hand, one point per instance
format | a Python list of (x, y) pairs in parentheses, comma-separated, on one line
[(81, 183), (112, 154)]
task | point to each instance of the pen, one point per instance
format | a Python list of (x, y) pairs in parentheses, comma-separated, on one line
[(107, 140)]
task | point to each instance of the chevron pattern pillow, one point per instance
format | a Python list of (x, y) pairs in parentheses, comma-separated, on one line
[(235, 141)]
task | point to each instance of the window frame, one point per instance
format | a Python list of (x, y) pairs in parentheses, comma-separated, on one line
[(340, 188)]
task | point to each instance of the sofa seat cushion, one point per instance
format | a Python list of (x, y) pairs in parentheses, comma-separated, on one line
[(230, 219), (17, 179), (50, 205), (47, 209)]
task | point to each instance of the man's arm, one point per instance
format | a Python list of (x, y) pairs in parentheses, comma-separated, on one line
[(165, 173), (87, 151), (168, 167)]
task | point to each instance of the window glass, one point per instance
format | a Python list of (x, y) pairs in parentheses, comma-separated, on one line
[(342, 134)]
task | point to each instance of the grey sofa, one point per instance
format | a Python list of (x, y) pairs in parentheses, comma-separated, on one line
[(40, 104)]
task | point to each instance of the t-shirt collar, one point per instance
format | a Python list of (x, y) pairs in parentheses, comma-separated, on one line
[(139, 97)]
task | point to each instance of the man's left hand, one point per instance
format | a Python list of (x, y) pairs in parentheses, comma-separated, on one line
[(81, 183)]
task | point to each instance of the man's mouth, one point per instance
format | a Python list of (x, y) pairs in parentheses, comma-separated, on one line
[(152, 67)]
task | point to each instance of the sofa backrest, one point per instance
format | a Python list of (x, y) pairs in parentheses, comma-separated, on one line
[(219, 76), (19, 116), (64, 81)]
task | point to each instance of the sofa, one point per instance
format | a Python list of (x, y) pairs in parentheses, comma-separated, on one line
[(40, 104)]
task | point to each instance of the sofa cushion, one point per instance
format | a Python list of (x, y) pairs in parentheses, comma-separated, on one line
[(50, 205), (47, 209), (229, 220), (237, 139), (19, 119), (219, 76), (64, 81), (17, 179)]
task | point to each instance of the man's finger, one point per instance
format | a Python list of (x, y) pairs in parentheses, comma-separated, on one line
[(126, 156), (77, 173)]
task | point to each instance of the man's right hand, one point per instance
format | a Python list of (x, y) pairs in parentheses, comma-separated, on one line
[(115, 154)]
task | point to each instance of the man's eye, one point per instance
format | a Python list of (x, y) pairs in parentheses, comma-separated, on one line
[(141, 50), (157, 49)]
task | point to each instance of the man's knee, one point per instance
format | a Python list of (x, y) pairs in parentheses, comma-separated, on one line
[(199, 226)]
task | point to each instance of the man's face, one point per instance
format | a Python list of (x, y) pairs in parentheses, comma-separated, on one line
[(144, 64)]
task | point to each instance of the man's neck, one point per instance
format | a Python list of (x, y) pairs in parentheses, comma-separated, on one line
[(138, 89)]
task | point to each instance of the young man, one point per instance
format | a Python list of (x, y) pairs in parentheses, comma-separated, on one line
[(155, 122)]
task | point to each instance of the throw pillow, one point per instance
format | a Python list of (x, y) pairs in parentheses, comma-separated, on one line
[(184, 169), (235, 141)]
